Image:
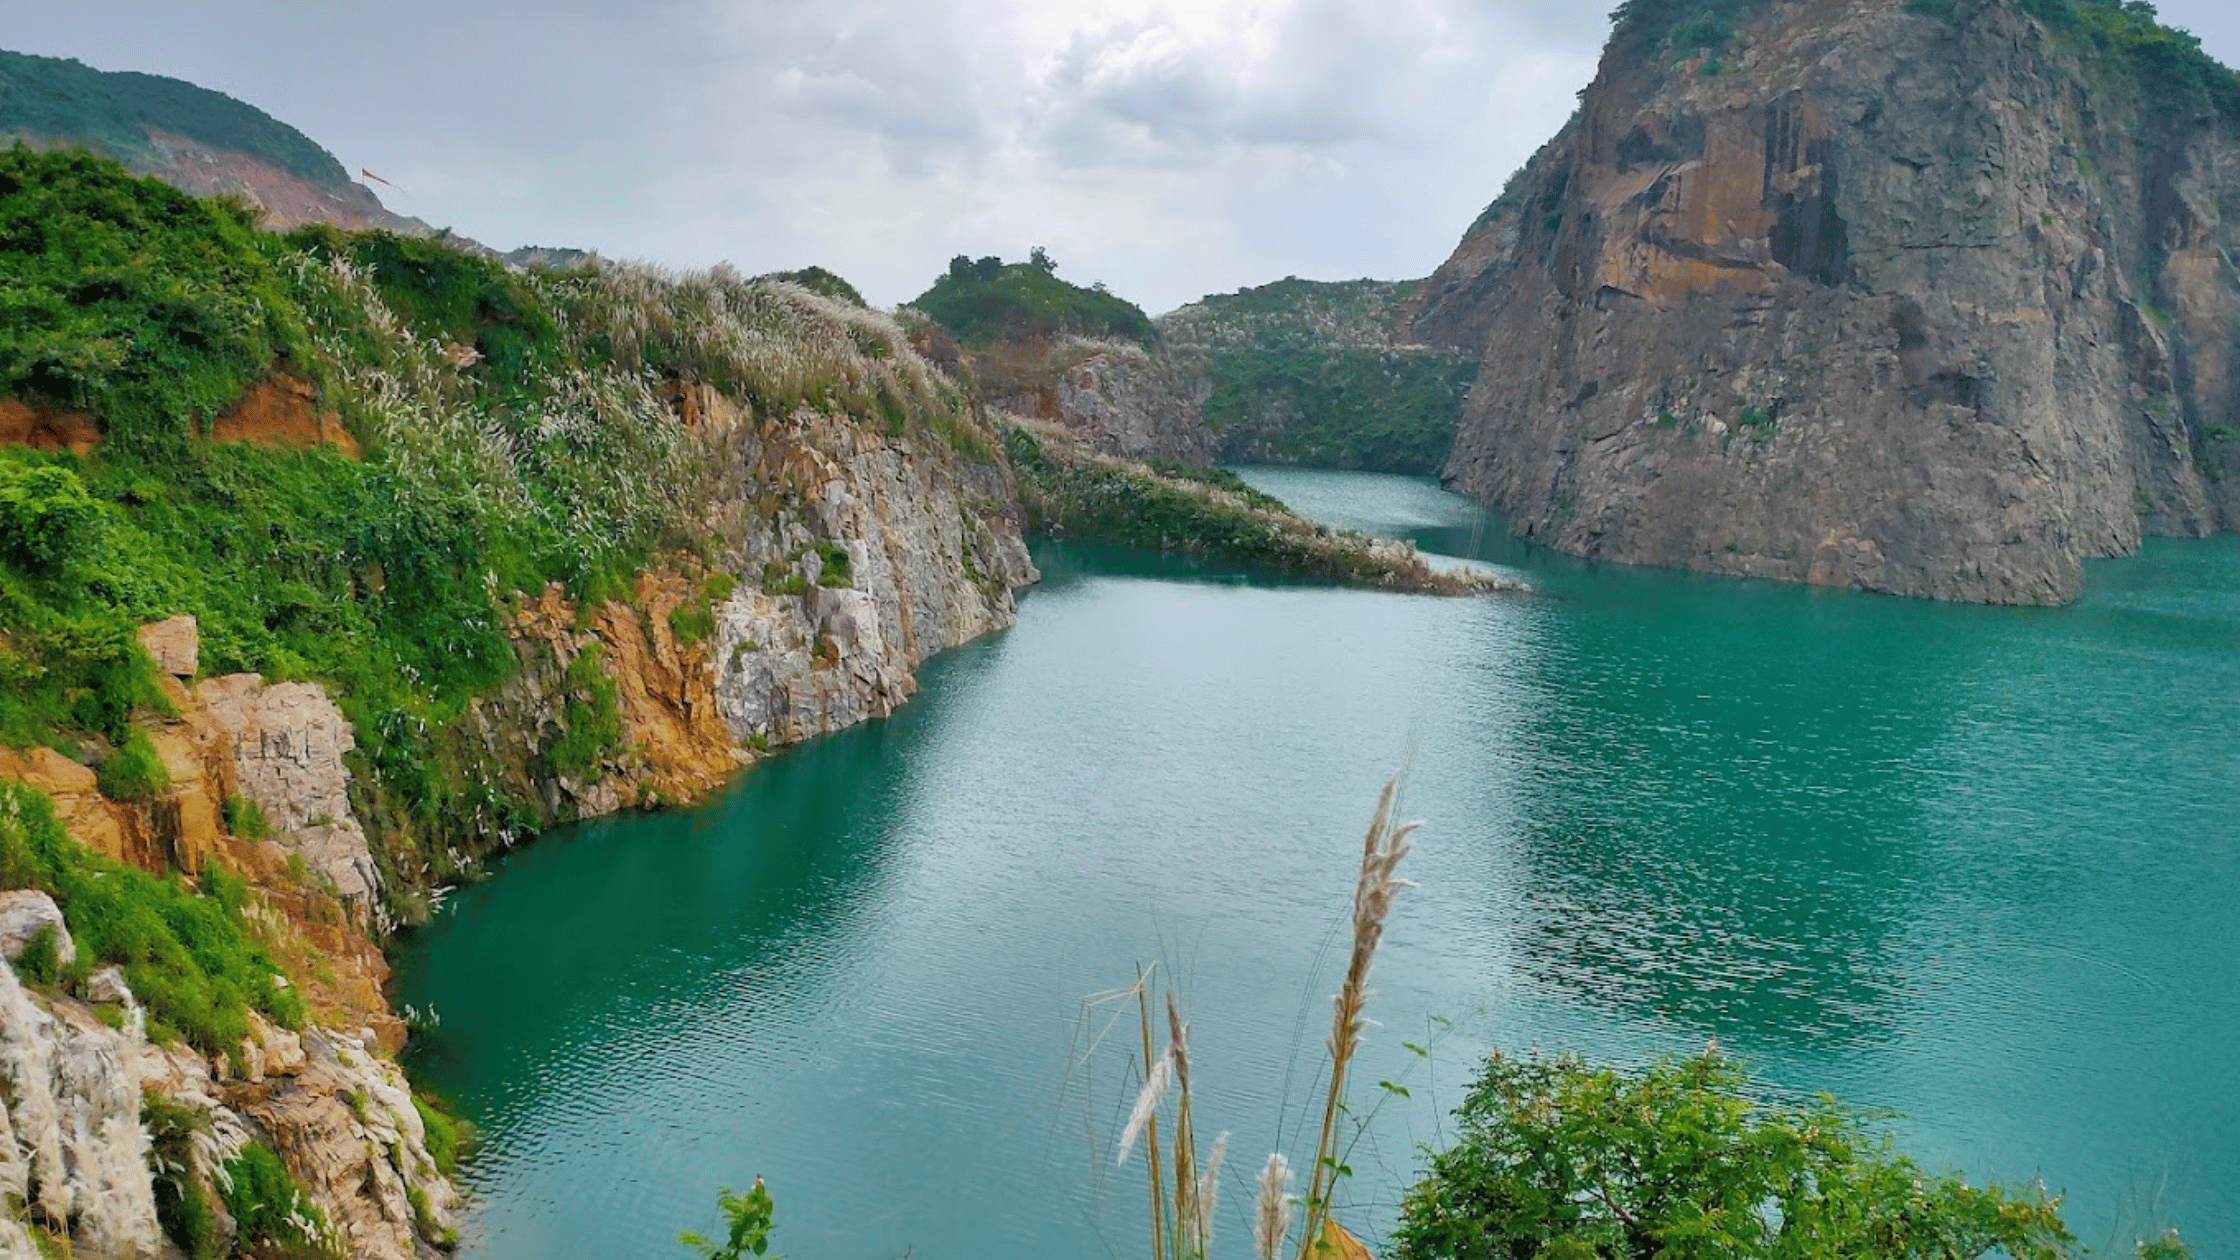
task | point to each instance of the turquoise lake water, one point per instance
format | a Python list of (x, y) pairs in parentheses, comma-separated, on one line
[(1981, 866)]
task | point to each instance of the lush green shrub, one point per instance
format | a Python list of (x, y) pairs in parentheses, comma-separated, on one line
[(448, 1137), (245, 818), (188, 958), (1557, 1159), (592, 717), (40, 963), (46, 516), (134, 772), (748, 1220), (182, 1208), (820, 281), (273, 1215), (130, 299)]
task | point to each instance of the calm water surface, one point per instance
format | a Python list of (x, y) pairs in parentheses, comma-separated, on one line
[(1981, 866)]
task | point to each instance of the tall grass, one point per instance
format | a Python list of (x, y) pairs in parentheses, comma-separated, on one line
[(1183, 1187)]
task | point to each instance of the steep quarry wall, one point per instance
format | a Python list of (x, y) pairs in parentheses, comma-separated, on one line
[(1867, 298), (833, 560)]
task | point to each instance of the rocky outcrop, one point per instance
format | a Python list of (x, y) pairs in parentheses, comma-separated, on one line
[(287, 742), (285, 199), (1124, 400), (1867, 298), (928, 554), (75, 1156), (72, 1151), (848, 559)]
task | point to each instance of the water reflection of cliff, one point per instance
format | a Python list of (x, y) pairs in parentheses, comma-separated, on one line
[(1723, 826)]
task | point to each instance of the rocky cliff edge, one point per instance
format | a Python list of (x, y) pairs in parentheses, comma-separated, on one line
[(1931, 300)]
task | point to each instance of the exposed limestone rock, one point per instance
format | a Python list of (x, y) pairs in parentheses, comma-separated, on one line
[(1897, 302), (288, 742), (174, 645), (926, 572), (71, 1148), (343, 1122), (1124, 400), (23, 913), (934, 554)]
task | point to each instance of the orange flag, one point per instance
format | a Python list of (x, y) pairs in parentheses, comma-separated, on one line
[(375, 178)]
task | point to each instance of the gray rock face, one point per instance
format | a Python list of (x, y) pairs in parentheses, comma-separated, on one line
[(1893, 302), (1123, 400), (932, 563), (288, 744), (72, 1152), (22, 914)]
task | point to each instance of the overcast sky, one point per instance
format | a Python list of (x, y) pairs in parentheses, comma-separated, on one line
[(1168, 149)]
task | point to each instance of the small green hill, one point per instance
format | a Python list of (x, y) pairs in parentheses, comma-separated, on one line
[(51, 99), (989, 302)]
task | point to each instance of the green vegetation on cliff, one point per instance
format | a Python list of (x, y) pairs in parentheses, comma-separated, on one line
[(984, 302), (1069, 490), (50, 98), (514, 433), (1309, 373), (189, 959)]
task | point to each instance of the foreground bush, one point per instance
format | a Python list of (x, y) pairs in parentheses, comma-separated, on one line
[(1559, 1160)]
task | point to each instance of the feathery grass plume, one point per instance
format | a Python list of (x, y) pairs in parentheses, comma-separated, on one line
[(1187, 1212), (1209, 1193), (1158, 1193), (1374, 890), (1148, 1101), (1272, 1218)]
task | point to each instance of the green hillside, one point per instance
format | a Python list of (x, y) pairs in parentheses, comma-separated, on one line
[(542, 456), (50, 98), (1306, 372)]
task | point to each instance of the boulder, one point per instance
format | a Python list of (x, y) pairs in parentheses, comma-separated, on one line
[(175, 644), (22, 914)]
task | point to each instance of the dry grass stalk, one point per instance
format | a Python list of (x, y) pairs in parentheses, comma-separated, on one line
[(1374, 890), (1188, 1209), (1182, 1208), (1272, 1215), (1158, 1195)]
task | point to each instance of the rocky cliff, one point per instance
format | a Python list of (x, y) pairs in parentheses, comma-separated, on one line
[(397, 559), (1933, 299), (1121, 398)]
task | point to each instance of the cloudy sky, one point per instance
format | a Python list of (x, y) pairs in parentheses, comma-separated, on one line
[(1170, 149)]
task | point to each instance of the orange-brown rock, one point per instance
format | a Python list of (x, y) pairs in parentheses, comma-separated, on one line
[(45, 428), (94, 821), (679, 746), (174, 645), (282, 410)]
